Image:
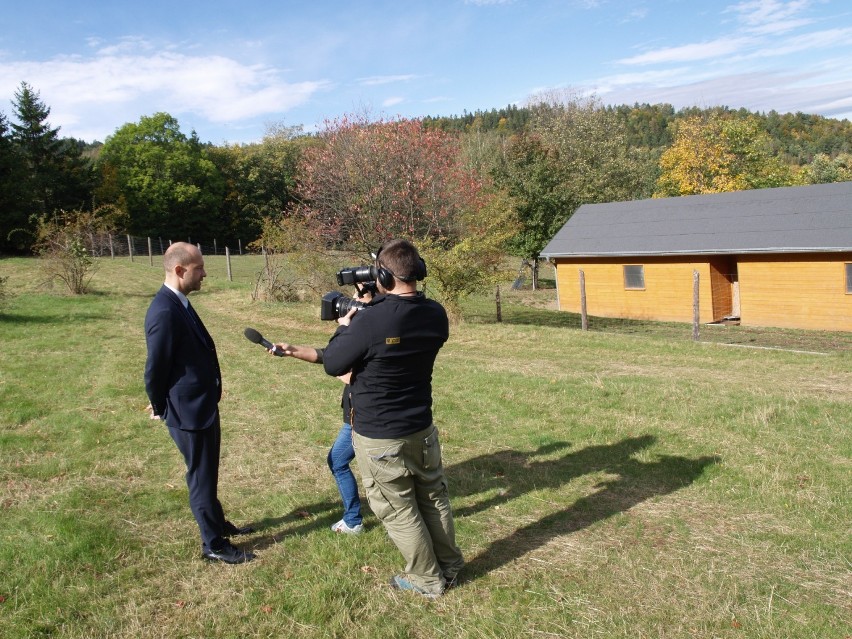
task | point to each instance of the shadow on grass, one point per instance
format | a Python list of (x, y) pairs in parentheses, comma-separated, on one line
[(519, 473), (518, 314), (299, 521), (14, 318)]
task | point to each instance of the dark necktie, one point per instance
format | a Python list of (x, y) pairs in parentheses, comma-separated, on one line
[(199, 323)]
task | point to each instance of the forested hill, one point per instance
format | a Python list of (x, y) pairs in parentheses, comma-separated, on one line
[(796, 137), (536, 164)]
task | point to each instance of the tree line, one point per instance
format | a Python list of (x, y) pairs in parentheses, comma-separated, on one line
[(467, 187)]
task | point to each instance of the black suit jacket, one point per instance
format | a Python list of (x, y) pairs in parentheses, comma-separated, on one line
[(182, 376)]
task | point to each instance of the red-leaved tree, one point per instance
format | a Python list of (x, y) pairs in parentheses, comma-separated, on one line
[(370, 181)]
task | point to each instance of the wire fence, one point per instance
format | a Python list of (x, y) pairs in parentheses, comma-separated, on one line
[(236, 263), (513, 303)]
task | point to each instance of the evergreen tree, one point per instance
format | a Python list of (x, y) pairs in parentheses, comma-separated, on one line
[(42, 173), (14, 236), (39, 145)]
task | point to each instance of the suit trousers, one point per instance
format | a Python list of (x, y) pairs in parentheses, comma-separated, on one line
[(407, 490), (200, 450)]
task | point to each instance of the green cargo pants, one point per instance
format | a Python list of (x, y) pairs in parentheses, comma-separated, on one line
[(407, 490)]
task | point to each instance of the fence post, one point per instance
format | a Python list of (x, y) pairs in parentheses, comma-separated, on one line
[(266, 264), (584, 316), (228, 262), (240, 246), (161, 245), (499, 306), (695, 313), (111, 250), (215, 247), (130, 247), (150, 252)]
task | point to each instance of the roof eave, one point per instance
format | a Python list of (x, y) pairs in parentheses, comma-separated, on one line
[(770, 250)]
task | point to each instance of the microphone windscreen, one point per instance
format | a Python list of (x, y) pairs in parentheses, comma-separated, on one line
[(253, 336)]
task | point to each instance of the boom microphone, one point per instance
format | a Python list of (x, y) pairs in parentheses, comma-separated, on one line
[(255, 337)]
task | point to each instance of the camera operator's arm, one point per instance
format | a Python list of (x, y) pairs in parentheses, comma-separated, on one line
[(347, 346), (304, 353)]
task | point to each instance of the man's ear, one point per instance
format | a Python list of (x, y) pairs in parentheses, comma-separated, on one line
[(180, 270)]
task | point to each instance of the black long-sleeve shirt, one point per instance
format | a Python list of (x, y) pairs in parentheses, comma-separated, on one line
[(390, 346)]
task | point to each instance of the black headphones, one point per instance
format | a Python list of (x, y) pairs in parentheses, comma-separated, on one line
[(385, 276)]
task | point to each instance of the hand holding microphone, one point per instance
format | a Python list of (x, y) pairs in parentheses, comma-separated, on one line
[(256, 338)]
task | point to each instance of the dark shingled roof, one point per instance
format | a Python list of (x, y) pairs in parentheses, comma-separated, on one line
[(798, 219)]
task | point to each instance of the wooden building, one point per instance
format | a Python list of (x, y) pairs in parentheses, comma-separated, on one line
[(769, 257)]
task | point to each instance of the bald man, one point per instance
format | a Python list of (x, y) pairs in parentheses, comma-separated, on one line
[(184, 385)]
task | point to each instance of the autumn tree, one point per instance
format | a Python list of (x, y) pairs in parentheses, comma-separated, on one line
[(825, 169), (719, 152), (575, 152), (369, 181)]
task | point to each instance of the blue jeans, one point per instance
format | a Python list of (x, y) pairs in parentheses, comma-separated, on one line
[(339, 457)]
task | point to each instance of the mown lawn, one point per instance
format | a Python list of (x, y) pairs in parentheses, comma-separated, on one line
[(621, 482)]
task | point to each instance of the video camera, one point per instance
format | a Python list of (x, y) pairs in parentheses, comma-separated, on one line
[(335, 304)]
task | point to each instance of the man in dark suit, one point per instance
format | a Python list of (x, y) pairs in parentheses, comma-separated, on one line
[(184, 384)]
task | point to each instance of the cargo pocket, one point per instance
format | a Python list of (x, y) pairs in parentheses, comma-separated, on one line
[(432, 451), (386, 462), (379, 504)]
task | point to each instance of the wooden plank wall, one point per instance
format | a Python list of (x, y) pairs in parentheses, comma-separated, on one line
[(796, 291), (667, 295), (787, 291)]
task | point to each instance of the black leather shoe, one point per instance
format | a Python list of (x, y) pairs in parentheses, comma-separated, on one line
[(230, 530), (228, 553)]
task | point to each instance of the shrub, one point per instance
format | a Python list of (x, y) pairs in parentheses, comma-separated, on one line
[(68, 242)]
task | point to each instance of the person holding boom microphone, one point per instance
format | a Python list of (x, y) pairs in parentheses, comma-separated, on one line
[(390, 349), (184, 386)]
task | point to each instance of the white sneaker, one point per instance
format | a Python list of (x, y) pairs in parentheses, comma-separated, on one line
[(342, 527)]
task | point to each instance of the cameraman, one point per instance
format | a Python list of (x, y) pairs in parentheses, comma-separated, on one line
[(390, 349)]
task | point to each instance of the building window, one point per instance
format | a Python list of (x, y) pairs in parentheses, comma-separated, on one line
[(849, 279), (634, 276)]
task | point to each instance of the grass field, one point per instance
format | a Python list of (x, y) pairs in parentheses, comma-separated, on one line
[(620, 482)]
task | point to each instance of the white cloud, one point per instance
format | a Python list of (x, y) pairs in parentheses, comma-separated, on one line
[(807, 42), (636, 14), (101, 90), (389, 102), (377, 80), (770, 16), (690, 52), (485, 3), (662, 77)]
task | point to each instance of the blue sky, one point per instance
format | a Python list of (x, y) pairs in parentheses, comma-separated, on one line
[(229, 70)]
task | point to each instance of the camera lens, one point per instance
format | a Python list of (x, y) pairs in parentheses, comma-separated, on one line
[(335, 305)]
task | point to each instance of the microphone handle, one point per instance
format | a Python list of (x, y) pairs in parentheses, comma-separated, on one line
[(269, 345)]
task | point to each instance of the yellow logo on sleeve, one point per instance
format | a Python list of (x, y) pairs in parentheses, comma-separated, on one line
[(391, 340)]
